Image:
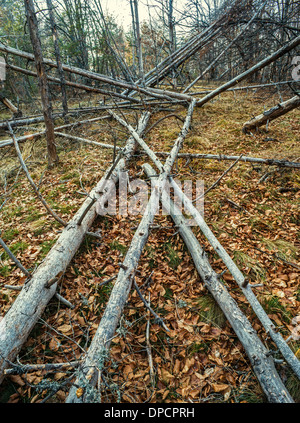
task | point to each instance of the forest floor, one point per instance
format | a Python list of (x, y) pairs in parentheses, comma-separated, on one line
[(200, 359)]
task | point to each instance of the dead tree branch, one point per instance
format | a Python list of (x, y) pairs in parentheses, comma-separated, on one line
[(263, 365), (271, 114), (20, 319)]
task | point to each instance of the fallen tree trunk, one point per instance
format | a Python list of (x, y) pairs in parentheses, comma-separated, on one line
[(207, 36), (84, 140), (89, 373), (246, 159), (212, 64), (265, 62), (247, 87), (74, 84), (6, 143), (7, 103), (262, 364), (30, 180), (219, 157), (39, 119), (156, 74), (18, 322), (99, 77), (227, 260), (242, 282), (271, 114), (73, 125)]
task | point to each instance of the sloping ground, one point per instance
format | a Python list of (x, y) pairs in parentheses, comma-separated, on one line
[(256, 219)]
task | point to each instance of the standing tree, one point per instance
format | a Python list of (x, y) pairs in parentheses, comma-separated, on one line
[(172, 39), (138, 43), (43, 82), (58, 57)]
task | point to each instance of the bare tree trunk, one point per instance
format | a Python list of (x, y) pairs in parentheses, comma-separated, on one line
[(244, 159), (172, 38), (138, 41), (134, 35), (43, 83), (18, 322), (263, 63), (58, 58), (263, 365), (226, 49), (271, 114)]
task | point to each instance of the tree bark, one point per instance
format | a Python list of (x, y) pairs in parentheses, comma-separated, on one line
[(30, 180), (43, 83), (58, 58)]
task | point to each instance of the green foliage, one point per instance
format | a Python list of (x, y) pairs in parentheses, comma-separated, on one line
[(210, 312), (285, 249), (46, 247), (172, 255), (273, 305), (247, 395), (12, 16), (9, 234), (150, 251), (293, 386), (16, 247), (257, 272), (5, 271)]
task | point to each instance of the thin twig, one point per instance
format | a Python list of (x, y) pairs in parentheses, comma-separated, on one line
[(148, 347), (14, 258), (18, 369), (157, 318), (58, 296)]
